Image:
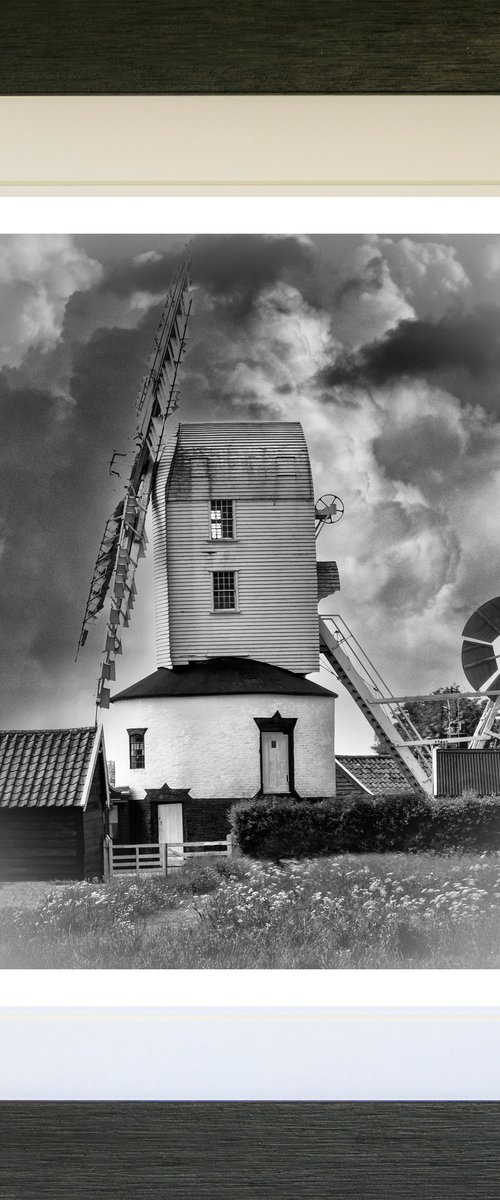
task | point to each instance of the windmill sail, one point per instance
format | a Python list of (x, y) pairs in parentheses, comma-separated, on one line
[(480, 664), (479, 660), (124, 539)]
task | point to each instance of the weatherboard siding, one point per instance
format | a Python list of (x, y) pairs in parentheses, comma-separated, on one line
[(273, 551), (276, 620), (51, 843), (212, 745), (40, 843), (93, 844)]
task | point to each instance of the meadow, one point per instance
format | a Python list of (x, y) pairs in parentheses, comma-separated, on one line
[(350, 911)]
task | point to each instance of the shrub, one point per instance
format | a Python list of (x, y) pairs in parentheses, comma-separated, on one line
[(199, 876), (468, 822), (408, 821)]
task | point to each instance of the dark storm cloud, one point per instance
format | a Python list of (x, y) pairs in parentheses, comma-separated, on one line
[(142, 273), (35, 517), (425, 445), (56, 492), (230, 272), (468, 342), (247, 262), (230, 265)]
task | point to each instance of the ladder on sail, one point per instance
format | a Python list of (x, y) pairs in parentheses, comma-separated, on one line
[(389, 720)]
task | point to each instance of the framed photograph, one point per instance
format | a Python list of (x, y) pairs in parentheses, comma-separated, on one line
[(217, 795), (331, 180)]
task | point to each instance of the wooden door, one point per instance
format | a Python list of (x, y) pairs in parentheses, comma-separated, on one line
[(171, 830), (275, 762)]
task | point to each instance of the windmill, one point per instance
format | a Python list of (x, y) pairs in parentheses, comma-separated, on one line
[(124, 539), (480, 665), (236, 589)]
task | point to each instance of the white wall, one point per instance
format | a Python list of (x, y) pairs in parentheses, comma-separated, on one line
[(211, 744)]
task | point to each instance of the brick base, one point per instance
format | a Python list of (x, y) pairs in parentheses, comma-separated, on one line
[(204, 820)]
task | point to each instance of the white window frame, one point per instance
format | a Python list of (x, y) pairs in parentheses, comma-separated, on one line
[(221, 612), (213, 500)]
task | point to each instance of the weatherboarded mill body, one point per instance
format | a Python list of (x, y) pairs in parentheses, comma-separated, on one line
[(229, 713)]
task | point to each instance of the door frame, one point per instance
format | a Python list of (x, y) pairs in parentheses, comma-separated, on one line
[(180, 848), (154, 816), (278, 724)]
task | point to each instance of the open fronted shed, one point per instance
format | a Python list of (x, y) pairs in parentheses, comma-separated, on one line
[(54, 797)]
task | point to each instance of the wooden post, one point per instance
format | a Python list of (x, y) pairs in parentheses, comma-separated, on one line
[(163, 856), (108, 858), (137, 868), (229, 843)]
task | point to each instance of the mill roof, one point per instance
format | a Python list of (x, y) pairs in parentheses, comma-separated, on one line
[(240, 459), (375, 773), (222, 677), (47, 768)]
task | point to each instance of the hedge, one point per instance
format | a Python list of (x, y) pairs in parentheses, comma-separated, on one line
[(287, 828)]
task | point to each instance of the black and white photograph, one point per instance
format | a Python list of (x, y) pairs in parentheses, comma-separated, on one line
[(250, 602)]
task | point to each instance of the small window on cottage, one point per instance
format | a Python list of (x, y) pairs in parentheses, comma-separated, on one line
[(137, 751), (221, 519), (224, 590)]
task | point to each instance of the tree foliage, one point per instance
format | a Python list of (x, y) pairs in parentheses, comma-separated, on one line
[(450, 715)]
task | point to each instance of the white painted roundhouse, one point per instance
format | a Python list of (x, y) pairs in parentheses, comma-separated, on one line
[(229, 713)]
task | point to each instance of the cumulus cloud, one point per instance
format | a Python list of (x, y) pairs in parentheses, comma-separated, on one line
[(38, 274), (429, 274), (369, 301), (386, 349)]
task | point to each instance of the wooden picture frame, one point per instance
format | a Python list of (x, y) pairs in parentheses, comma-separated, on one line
[(279, 47), (345, 65), (275, 1151)]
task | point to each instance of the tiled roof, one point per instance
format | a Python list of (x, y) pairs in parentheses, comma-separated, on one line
[(45, 767), (223, 677), (376, 773)]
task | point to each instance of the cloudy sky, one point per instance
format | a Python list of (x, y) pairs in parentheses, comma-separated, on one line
[(387, 349)]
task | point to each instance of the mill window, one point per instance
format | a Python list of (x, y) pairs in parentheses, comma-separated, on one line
[(136, 748), (224, 590), (221, 519)]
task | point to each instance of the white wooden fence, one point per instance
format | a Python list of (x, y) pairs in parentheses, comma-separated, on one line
[(161, 857)]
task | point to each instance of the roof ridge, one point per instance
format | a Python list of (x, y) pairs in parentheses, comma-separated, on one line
[(45, 767), (65, 729)]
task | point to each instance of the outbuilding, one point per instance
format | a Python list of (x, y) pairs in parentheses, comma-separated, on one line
[(54, 799), (369, 774)]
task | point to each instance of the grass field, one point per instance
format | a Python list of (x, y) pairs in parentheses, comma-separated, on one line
[(366, 911)]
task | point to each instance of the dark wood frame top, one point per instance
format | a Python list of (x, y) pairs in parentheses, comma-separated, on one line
[(103, 47)]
